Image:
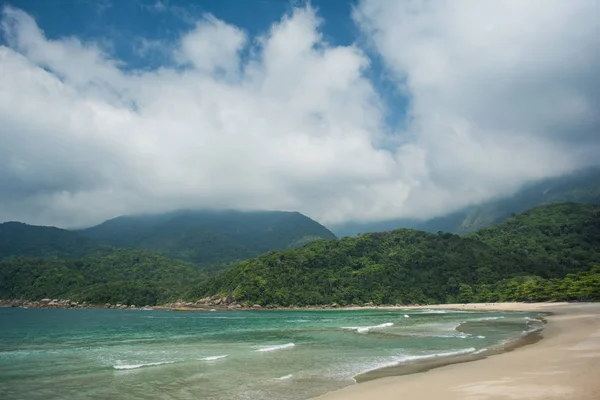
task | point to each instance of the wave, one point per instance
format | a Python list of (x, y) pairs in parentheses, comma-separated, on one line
[(434, 312), (529, 320), (480, 351), (485, 319), (366, 329), (410, 358), (298, 320), (136, 366), (276, 347), (283, 378), (212, 358), (436, 355)]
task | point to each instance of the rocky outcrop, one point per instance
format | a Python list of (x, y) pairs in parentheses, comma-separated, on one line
[(43, 303), (56, 303)]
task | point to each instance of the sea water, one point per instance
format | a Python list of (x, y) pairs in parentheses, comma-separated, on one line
[(134, 354)]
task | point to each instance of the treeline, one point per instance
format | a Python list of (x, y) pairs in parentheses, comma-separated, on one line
[(548, 253), (116, 276), (406, 266), (582, 286)]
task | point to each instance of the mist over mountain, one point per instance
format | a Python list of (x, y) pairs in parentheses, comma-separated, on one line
[(582, 186)]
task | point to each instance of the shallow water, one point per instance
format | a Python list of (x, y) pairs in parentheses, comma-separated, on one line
[(134, 354)]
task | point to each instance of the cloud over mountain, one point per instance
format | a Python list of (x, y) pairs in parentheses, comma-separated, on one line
[(500, 93)]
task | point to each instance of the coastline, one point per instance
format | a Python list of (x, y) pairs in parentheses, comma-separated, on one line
[(564, 364)]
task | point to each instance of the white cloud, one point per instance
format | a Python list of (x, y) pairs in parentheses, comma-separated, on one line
[(496, 99), (501, 92)]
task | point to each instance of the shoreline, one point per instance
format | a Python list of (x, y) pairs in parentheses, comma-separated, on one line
[(558, 362)]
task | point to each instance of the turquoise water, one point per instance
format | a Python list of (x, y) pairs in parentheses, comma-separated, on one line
[(134, 354)]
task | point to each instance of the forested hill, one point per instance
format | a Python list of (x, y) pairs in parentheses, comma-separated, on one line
[(532, 250), (19, 239), (210, 239), (581, 187), (127, 276)]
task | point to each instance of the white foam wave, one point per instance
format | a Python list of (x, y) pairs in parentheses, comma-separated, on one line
[(136, 366), (436, 355), (410, 358), (406, 316), (298, 320), (283, 378), (529, 320), (276, 347), (212, 358), (434, 312), (480, 351), (366, 329), (486, 318)]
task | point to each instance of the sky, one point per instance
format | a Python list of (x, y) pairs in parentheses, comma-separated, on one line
[(362, 110)]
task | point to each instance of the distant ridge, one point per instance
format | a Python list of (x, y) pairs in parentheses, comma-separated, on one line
[(209, 239), (581, 187), (23, 240)]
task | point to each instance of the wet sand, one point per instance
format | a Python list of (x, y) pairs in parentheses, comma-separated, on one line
[(564, 364)]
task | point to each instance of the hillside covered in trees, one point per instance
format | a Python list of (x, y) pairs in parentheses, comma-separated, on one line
[(548, 253), (125, 276), (210, 240), (21, 240), (543, 246)]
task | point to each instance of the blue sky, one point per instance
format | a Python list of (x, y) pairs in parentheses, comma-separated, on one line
[(119, 25), (345, 111)]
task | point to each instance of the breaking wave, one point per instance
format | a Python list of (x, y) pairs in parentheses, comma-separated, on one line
[(136, 366), (366, 329), (276, 347), (212, 358)]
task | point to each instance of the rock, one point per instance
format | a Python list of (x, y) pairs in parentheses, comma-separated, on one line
[(107, 305), (334, 305), (132, 306), (257, 306)]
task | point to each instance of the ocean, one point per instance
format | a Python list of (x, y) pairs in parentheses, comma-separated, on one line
[(272, 354)]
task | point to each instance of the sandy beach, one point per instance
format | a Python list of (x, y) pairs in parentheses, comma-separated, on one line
[(565, 364)]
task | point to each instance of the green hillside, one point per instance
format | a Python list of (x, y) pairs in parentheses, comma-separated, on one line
[(407, 266), (18, 239), (551, 252), (579, 187), (210, 239), (117, 276)]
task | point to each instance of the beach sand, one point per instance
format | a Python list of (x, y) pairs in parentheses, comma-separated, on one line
[(565, 364)]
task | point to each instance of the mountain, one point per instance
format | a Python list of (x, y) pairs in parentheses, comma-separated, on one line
[(126, 276), (19, 239), (580, 187), (551, 252), (209, 239), (546, 245)]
